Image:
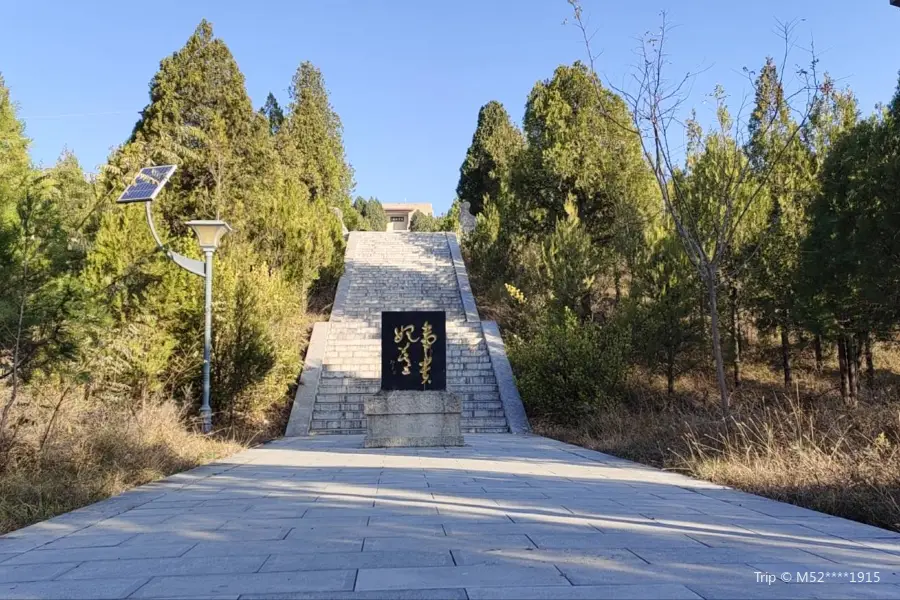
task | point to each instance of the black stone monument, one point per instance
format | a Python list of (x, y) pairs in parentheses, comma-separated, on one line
[(414, 350)]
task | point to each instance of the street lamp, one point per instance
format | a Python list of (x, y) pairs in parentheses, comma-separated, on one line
[(208, 234), (147, 185)]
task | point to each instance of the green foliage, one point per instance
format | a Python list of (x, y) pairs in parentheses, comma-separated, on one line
[(447, 222), (422, 222), (273, 113), (496, 145), (310, 140), (569, 263), (486, 254), (14, 161), (274, 179), (783, 164), (850, 271), (260, 324), (373, 217), (580, 149), (570, 367), (43, 295), (666, 325)]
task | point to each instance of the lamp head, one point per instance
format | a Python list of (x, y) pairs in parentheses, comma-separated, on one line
[(209, 233)]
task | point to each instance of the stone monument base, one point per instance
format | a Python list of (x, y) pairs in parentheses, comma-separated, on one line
[(401, 419)]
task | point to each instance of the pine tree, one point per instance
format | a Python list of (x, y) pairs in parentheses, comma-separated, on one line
[(496, 145), (569, 264), (271, 110), (850, 271), (666, 323)]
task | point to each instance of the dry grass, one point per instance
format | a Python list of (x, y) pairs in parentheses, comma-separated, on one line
[(805, 446), (91, 453)]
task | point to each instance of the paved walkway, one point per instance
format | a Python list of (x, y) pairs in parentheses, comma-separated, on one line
[(505, 517)]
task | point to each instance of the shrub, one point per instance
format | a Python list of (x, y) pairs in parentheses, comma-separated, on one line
[(569, 368)]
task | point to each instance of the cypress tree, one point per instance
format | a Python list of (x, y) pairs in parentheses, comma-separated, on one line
[(496, 144), (581, 149), (310, 140)]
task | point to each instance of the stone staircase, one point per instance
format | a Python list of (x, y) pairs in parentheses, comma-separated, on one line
[(397, 271), (400, 271)]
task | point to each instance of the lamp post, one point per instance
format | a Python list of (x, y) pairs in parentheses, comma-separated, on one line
[(146, 186), (209, 233)]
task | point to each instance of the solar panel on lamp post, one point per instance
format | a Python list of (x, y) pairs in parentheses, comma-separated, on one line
[(147, 185), (895, 3)]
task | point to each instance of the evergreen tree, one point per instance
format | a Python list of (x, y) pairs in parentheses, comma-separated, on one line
[(849, 273), (271, 110), (495, 147), (667, 325), (581, 150), (421, 222), (834, 114), (783, 164), (201, 118), (310, 140), (14, 161), (569, 263), (372, 213)]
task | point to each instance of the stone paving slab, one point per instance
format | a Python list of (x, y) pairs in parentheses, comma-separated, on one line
[(503, 517)]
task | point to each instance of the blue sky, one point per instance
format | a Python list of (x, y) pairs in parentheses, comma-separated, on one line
[(406, 77)]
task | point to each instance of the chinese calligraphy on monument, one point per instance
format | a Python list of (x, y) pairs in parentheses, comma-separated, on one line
[(413, 350)]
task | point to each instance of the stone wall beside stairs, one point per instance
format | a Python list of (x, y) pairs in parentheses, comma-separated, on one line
[(401, 271)]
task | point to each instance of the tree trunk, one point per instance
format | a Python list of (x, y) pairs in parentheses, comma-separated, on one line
[(870, 364), (858, 359), (852, 371), (845, 371), (818, 347), (786, 357), (736, 336), (717, 341), (670, 373)]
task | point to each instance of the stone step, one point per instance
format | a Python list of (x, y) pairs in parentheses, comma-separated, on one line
[(473, 388), (503, 429), (350, 430), (340, 432), (338, 415), (339, 404), (482, 405), (400, 272), (349, 363), (482, 413), (337, 424), (484, 422), (344, 407), (328, 388), (354, 374)]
